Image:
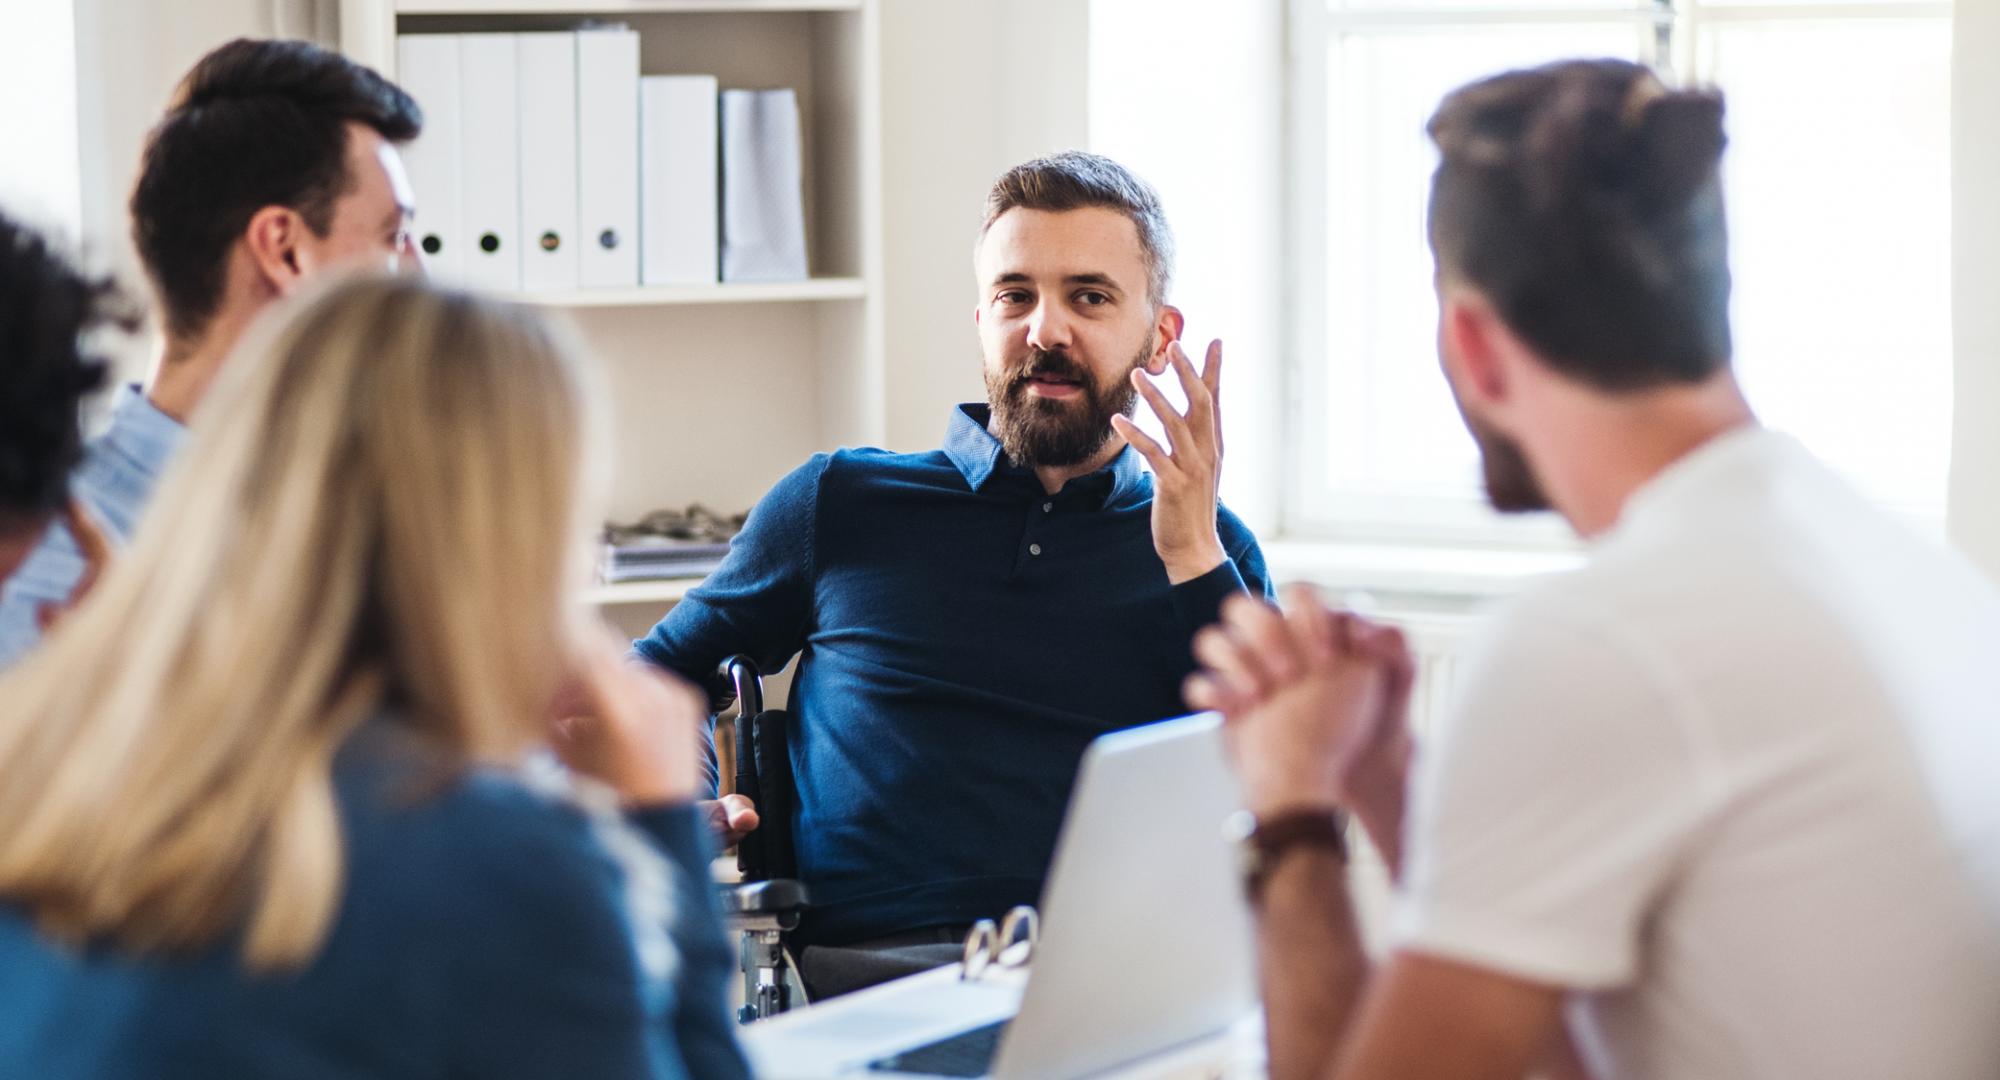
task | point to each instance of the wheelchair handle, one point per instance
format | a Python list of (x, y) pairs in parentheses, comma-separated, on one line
[(739, 674), (737, 680)]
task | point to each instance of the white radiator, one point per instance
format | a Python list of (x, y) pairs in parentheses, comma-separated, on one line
[(1438, 642)]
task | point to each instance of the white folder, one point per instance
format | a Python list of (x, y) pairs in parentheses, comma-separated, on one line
[(607, 124), (677, 208), (427, 67), (548, 160), (490, 165), (763, 201)]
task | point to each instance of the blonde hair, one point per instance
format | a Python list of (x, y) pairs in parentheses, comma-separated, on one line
[(374, 514)]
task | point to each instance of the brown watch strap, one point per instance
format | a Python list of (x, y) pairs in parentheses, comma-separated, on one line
[(1287, 831)]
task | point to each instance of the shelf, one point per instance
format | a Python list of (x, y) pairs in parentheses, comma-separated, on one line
[(805, 358), (744, 293), (665, 590), (613, 7)]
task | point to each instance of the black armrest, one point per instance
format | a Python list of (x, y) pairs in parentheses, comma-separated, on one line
[(775, 897)]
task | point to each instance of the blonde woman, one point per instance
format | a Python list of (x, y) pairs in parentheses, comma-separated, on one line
[(270, 801)]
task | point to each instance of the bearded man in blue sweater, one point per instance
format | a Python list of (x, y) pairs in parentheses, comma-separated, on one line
[(969, 618)]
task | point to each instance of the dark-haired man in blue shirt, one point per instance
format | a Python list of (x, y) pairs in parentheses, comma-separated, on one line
[(275, 161), (968, 619)]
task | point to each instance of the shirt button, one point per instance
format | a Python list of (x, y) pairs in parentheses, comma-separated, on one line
[(1048, 506), (1034, 549)]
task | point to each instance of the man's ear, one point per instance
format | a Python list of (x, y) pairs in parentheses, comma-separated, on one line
[(1166, 330), (1473, 341), (273, 238)]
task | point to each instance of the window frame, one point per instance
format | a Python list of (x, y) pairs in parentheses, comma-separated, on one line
[(1311, 508)]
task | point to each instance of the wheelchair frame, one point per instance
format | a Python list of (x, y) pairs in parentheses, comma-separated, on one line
[(769, 900)]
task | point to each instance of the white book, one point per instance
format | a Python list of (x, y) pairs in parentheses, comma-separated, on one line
[(490, 167), (677, 172), (427, 67), (607, 124), (763, 199), (548, 160)]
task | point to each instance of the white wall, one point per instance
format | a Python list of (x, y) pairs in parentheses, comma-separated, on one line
[(969, 89), (1974, 514), (1187, 93), (129, 55)]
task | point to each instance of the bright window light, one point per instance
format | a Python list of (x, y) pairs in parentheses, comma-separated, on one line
[(1838, 187)]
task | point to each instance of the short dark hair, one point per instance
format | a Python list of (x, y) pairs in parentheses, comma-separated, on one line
[(1584, 199), (1073, 180), (255, 123), (47, 311)]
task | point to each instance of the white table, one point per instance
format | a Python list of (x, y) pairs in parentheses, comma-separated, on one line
[(790, 1047)]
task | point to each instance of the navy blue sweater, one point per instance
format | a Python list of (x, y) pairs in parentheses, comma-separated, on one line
[(962, 636), (487, 931)]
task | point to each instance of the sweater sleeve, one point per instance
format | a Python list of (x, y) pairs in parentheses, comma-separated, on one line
[(1198, 602), (563, 966), (758, 602), (1248, 556), (702, 1026)]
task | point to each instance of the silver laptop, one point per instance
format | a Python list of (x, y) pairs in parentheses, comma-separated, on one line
[(1146, 940)]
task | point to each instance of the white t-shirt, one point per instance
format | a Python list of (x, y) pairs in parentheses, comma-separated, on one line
[(1737, 783)]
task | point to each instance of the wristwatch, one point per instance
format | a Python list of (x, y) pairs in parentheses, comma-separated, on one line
[(1261, 843)]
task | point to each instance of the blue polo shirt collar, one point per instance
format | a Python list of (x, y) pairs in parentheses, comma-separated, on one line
[(977, 454)]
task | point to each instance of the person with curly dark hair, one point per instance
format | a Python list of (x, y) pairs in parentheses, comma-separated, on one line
[(275, 160), (48, 309)]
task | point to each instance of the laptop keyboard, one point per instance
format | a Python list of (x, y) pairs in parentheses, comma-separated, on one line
[(968, 1053)]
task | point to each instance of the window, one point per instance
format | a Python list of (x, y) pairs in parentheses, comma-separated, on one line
[(1838, 187), (40, 170)]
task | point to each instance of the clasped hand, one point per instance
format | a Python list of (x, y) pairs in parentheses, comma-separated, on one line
[(1315, 706)]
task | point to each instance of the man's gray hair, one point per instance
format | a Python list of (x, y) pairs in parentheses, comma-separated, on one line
[(1073, 180)]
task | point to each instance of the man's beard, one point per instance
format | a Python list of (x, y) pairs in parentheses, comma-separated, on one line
[(1039, 431), (1511, 484)]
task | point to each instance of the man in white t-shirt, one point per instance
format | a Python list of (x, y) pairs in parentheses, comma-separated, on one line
[(1727, 799)]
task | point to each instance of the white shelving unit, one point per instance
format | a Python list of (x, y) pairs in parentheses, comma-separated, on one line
[(617, 7), (663, 591), (718, 390), (747, 293)]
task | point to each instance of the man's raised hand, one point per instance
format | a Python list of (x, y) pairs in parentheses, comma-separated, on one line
[(1186, 475)]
